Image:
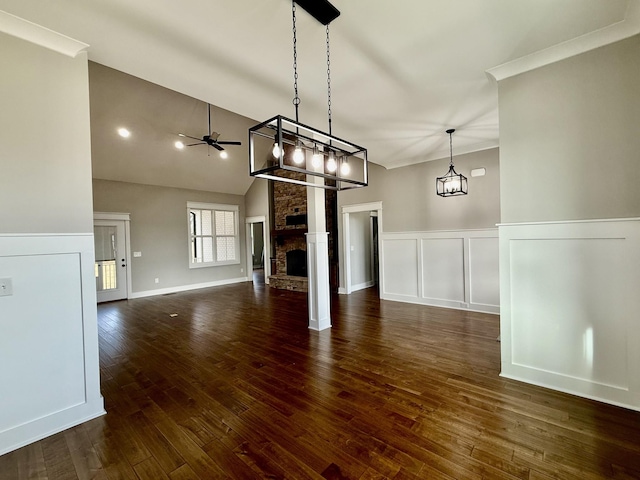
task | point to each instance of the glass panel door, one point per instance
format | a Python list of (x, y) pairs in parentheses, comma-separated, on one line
[(111, 261), (105, 244)]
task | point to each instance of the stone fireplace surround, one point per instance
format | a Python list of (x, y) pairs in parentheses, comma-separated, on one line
[(289, 210)]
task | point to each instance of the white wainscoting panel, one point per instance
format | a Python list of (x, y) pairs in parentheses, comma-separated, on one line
[(484, 274), (570, 307), (400, 262), (48, 342), (455, 269), (443, 269)]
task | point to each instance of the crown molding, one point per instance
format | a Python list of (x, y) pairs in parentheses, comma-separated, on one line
[(626, 28), (31, 32), (441, 154)]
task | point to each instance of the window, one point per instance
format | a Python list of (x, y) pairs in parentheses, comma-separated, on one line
[(213, 234)]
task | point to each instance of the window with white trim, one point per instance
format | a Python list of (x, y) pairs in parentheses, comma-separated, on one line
[(213, 234)]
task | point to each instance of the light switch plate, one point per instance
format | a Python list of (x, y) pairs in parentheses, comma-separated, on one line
[(6, 287), (137, 254)]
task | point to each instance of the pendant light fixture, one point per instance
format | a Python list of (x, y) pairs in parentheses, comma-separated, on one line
[(286, 150), (452, 183)]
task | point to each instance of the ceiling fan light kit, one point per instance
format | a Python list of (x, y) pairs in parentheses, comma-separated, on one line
[(286, 150), (211, 140)]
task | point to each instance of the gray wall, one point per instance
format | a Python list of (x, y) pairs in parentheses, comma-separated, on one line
[(45, 183), (570, 138), (257, 198), (159, 231), (410, 203)]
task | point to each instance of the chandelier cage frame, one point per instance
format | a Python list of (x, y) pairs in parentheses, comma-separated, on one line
[(282, 149), (288, 134), (452, 183)]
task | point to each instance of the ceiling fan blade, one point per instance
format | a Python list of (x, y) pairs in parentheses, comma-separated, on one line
[(189, 136), (229, 143), (217, 147), (192, 144)]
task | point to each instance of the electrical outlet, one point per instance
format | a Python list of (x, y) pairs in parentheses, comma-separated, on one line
[(157, 280), (6, 287)]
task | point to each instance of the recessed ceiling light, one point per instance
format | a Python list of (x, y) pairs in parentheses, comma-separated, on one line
[(123, 132), (224, 154), (179, 145)]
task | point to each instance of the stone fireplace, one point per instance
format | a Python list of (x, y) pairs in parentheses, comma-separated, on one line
[(289, 243)]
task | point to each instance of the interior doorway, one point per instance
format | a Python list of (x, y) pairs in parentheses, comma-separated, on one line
[(362, 225), (111, 246), (258, 270)]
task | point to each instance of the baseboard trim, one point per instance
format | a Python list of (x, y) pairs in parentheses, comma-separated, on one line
[(473, 307), (186, 288), (572, 391), (362, 286), (44, 427)]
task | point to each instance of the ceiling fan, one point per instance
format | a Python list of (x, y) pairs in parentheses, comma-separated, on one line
[(210, 140)]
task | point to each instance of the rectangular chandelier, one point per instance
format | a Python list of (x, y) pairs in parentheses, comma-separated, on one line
[(288, 151)]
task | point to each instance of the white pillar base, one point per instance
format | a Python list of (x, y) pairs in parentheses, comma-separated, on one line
[(318, 274)]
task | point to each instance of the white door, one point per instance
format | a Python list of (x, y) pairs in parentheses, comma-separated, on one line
[(111, 260)]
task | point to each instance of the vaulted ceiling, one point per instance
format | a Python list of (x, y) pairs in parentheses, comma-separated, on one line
[(401, 74)]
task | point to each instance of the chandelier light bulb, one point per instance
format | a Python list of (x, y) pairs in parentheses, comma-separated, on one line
[(298, 154), (345, 169), (276, 150), (179, 145), (452, 186), (316, 159), (332, 166)]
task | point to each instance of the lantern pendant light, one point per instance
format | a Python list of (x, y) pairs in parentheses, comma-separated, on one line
[(451, 183)]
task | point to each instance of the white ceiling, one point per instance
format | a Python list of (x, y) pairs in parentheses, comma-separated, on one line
[(402, 73)]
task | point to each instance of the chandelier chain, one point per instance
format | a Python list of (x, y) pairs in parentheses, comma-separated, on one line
[(296, 98), (450, 149), (329, 80)]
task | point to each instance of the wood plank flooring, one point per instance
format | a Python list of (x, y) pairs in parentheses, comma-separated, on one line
[(236, 386)]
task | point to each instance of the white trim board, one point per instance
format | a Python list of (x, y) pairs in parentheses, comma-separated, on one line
[(454, 269), (616, 32), (39, 35), (53, 287), (569, 307), (186, 288)]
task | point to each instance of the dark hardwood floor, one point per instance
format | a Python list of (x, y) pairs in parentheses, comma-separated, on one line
[(236, 386)]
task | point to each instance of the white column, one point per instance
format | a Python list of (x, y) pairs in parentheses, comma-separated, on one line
[(318, 258), (318, 271)]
